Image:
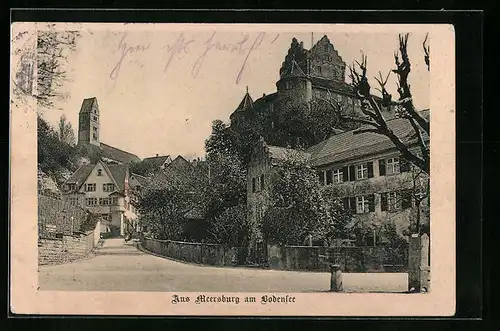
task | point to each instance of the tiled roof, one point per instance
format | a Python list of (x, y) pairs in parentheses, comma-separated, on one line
[(155, 161), (80, 175), (119, 172), (292, 70), (281, 153), (87, 105), (140, 179), (117, 154), (348, 145), (342, 87), (246, 103)]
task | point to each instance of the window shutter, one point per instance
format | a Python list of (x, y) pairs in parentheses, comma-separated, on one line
[(352, 204), (381, 167), (345, 174), (345, 202), (371, 203), (352, 173), (406, 199), (404, 166), (370, 169), (321, 177), (328, 177), (383, 201)]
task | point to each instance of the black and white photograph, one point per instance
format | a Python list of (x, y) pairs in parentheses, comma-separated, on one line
[(204, 161)]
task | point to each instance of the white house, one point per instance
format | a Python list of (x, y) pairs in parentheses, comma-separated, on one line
[(104, 189)]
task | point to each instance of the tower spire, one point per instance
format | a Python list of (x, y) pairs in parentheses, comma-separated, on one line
[(247, 88), (312, 39)]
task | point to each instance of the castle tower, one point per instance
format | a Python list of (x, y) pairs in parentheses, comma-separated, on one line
[(239, 114), (88, 124), (294, 83)]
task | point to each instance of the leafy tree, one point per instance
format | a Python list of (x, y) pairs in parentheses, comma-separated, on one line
[(230, 227), (66, 133), (54, 155), (297, 207), (169, 195)]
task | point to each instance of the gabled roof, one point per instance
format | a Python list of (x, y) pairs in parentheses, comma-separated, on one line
[(117, 172), (347, 145), (155, 161), (119, 155), (87, 105)]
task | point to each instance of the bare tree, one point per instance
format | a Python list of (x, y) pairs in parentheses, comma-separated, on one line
[(53, 49), (66, 133), (371, 108)]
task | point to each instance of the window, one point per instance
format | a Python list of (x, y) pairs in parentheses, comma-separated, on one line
[(94, 118), (361, 171), (393, 201), (288, 85), (262, 182), (318, 68), (254, 185), (108, 187), (91, 201), (99, 172), (71, 187), (114, 201), (104, 201), (338, 176), (90, 187), (106, 217), (73, 201), (365, 204), (94, 133), (325, 48), (392, 166)]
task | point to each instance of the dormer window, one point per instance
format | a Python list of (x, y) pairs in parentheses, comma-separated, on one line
[(99, 172)]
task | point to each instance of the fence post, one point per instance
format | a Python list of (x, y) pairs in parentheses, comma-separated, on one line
[(336, 278), (418, 263), (424, 263)]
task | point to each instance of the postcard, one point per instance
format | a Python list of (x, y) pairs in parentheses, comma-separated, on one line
[(232, 169)]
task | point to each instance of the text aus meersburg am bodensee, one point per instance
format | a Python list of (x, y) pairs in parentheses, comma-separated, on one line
[(202, 298)]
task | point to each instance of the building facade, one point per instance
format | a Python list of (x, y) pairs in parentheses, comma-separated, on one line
[(364, 170), (104, 189)]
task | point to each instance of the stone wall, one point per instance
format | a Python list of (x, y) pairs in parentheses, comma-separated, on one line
[(201, 253), (65, 248), (350, 259)]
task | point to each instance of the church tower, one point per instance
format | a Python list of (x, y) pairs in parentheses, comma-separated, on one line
[(88, 124)]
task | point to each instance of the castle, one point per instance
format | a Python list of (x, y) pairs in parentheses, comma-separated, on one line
[(305, 75)]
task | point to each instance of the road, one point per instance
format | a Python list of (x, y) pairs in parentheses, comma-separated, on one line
[(120, 266)]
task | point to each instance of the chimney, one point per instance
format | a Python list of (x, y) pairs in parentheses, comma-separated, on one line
[(156, 155), (263, 95)]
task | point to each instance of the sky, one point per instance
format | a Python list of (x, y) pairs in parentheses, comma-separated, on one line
[(160, 86)]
